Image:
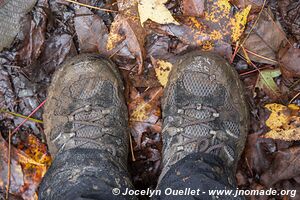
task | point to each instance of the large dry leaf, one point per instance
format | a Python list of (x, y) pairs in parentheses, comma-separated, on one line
[(284, 122), (156, 11), (217, 30), (91, 31), (266, 82), (127, 31), (193, 8), (265, 39)]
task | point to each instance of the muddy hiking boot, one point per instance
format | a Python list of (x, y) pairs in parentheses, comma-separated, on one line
[(86, 124), (11, 12), (204, 111)]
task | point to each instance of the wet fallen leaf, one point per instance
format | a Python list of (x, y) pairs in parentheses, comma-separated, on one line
[(33, 31), (289, 60), (290, 10), (145, 107), (265, 39), (285, 165), (284, 122), (16, 181), (33, 173), (162, 70), (217, 30), (256, 5), (57, 48), (126, 30), (257, 153), (28, 167), (91, 31), (156, 11), (145, 126), (266, 82), (193, 8)]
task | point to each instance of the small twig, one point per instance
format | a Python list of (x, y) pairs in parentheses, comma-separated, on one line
[(235, 52), (248, 60), (8, 166), (297, 95), (25, 120), (249, 168), (257, 55), (131, 148), (19, 115), (89, 6), (252, 71)]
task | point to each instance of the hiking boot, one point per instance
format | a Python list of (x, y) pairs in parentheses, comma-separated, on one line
[(86, 126), (204, 110), (86, 108), (11, 11)]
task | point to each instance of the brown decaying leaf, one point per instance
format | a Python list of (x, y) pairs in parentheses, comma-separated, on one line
[(126, 30), (290, 10), (285, 165), (145, 127), (256, 5), (193, 8), (57, 48), (34, 33), (16, 181), (144, 112), (91, 31), (289, 60), (215, 31), (28, 167), (257, 153), (265, 39)]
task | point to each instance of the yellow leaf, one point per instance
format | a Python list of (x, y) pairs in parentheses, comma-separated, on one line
[(156, 11), (284, 122), (238, 23), (139, 114), (162, 71)]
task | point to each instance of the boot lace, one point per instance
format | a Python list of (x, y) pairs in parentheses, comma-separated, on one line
[(213, 140), (81, 118)]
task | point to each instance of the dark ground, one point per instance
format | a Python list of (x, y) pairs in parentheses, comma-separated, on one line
[(55, 30)]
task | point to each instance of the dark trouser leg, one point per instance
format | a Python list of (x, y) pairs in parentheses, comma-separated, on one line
[(83, 174), (197, 171)]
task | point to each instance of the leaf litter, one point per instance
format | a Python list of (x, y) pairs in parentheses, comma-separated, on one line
[(143, 48)]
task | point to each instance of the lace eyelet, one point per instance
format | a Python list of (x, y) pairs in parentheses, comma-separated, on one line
[(215, 114), (199, 106), (106, 111), (180, 111), (71, 118), (87, 108), (105, 129)]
